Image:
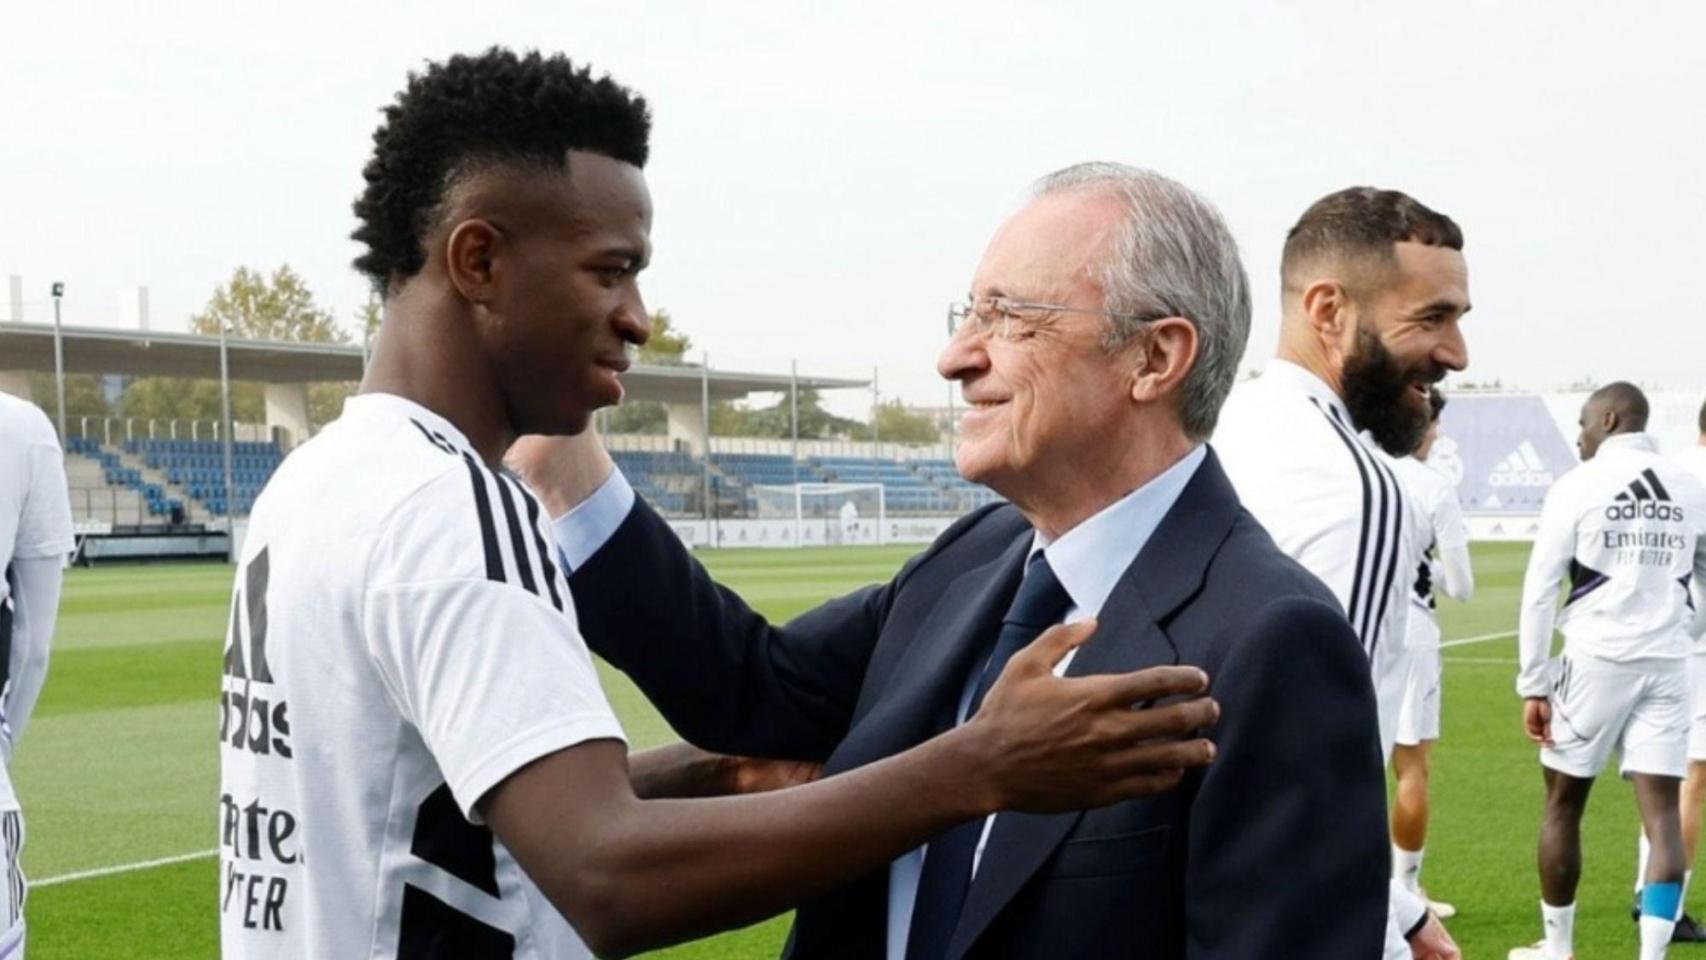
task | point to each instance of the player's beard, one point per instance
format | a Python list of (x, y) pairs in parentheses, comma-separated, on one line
[(1375, 394)]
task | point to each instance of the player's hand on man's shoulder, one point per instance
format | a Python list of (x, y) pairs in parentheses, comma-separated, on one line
[(1069, 743)]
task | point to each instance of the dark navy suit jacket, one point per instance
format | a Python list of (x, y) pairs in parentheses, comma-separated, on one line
[(1277, 850)]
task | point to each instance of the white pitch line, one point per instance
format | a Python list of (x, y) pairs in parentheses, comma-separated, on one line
[(1481, 639), (125, 868)]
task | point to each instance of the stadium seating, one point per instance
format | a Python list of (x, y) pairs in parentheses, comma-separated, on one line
[(198, 467), (668, 479), (155, 500)]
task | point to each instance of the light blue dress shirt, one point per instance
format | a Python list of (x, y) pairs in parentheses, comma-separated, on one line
[(1089, 559)]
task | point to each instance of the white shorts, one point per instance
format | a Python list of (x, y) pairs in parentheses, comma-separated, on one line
[(1697, 707), (1638, 706), (1418, 712), (12, 888)]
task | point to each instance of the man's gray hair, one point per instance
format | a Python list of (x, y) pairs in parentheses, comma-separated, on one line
[(1173, 257)]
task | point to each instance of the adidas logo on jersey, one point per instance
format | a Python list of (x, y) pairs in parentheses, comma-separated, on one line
[(1521, 468), (1645, 499)]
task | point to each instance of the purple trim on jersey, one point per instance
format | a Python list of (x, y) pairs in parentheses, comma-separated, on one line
[(1583, 581)]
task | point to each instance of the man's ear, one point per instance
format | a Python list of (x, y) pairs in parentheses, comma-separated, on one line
[(470, 257), (1328, 310), (1165, 353)]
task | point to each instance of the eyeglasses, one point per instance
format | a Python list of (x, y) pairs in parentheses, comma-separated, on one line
[(1014, 319)]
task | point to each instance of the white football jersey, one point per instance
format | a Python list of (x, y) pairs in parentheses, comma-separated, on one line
[(401, 641), (1693, 459), (1331, 502), (1444, 566), (1628, 528), (35, 523)]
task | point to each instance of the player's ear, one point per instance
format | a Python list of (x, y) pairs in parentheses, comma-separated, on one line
[(1163, 354), (470, 259), (1327, 308)]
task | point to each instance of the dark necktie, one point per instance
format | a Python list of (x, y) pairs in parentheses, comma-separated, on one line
[(1039, 604)]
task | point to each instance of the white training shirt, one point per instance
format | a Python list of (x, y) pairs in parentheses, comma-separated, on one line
[(35, 524), (1331, 503), (401, 641), (1629, 530), (1445, 565), (1693, 459)]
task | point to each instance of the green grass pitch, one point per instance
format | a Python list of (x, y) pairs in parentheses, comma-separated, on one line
[(119, 765)]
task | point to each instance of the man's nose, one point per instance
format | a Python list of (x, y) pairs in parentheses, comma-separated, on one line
[(965, 354)]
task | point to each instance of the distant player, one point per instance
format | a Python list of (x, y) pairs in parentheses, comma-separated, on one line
[(35, 538), (1375, 285), (1445, 569), (1688, 929), (416, 759), (1628, 529)]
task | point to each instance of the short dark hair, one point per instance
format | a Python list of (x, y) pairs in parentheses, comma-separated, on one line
[(1365, 222), (1703, 419), (1436, 404), (1627, 401), (496, 108)]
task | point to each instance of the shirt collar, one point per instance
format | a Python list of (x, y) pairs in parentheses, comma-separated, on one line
[(1632, 441), (1091, 557), (391, 406), (1295, 377)]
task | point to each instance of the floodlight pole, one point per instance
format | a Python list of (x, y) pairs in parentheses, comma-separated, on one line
[(59, 361), (951, 424), (876, 425), (705, 428), (794, 417), (230, 487)]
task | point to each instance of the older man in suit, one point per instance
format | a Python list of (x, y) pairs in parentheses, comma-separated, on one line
[(1102, 333)]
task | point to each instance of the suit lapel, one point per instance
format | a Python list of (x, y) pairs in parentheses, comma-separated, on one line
[(1164, 576), (929, 676)]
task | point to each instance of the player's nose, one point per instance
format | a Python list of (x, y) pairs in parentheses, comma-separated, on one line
[(1452, 351)]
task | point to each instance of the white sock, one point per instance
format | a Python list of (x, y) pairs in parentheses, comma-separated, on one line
[(1646, 853), (1682, 905), (1560, 925), (1655, 937), (1407, 867)]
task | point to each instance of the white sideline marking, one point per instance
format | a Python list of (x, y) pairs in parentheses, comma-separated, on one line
[(124, 868), (1481, 639)]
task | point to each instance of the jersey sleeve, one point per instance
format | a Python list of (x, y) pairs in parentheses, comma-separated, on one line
[(44, 528), (1451, 539), (490, 673), (1554, 547)]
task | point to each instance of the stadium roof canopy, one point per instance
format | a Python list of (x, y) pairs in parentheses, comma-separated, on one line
[(139, 353)]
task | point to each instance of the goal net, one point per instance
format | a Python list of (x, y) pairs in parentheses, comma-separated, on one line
[(825, 514)]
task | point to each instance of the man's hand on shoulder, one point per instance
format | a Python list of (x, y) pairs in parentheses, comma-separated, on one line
[(563, 471), (1068, 743)]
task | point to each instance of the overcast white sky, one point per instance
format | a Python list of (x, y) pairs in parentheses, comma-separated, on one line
[(826, 177)]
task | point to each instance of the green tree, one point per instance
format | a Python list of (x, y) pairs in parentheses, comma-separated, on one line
[(253, 306), (83, 397), (666, 344), (896, 424)]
